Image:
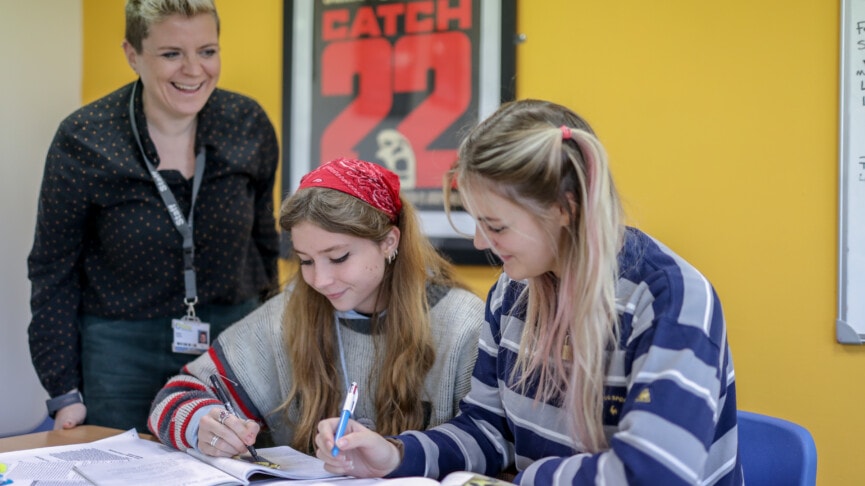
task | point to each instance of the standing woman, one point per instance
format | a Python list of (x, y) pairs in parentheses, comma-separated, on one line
[(604, 359), (372, 302), (155, 222)]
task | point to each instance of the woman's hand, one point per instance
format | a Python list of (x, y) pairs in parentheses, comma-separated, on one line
[(70, 416), (362, 452), (223, 434)]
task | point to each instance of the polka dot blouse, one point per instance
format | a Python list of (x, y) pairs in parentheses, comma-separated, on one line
[(105, 245)]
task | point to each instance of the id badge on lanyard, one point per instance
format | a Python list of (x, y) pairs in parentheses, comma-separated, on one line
[(191, 335)]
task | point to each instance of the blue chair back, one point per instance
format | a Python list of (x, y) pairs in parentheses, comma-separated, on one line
[(46, 425), (774, 451)]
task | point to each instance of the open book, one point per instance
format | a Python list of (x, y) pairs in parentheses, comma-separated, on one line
[(460, 478), (126, 459), (156, 466)]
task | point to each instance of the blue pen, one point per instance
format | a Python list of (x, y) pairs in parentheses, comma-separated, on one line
[(347, 410)]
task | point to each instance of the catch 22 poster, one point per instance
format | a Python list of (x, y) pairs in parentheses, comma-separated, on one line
[(395, 82)]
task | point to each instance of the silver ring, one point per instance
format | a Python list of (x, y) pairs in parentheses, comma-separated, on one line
[(214, 440), (222, 416)]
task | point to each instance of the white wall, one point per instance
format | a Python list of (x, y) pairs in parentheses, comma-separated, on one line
[(40, 83)]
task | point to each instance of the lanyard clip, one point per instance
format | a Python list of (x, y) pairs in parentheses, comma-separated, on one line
[(190, 308)]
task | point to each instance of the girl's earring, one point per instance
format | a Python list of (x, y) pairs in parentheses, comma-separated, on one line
[(392, 257)]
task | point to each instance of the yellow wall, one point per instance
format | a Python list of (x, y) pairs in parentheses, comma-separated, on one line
[(721, 122)]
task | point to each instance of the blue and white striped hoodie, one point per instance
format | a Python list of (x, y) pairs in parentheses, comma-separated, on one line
[(669, 398)]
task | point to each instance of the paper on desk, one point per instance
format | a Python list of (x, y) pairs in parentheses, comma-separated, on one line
[(57, 463), (125, 456), (192, 468), (293, 464), (177, 470)]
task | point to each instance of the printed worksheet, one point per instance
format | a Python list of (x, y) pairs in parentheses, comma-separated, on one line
[(57, 464)]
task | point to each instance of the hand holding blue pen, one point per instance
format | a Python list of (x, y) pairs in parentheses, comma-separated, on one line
[(347, 410)]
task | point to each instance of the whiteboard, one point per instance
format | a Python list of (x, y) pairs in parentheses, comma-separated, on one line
[(850, 325)]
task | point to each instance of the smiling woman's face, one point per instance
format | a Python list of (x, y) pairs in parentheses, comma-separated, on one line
[(346, 269), (518, 237), (179, 65)]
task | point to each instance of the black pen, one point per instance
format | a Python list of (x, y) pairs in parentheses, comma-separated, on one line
[(223, 397)]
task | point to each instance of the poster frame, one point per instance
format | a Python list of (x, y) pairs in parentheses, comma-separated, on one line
[(494, 84)]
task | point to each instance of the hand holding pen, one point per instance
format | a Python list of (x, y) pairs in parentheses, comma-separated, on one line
[(364, 453), (222, 420), (347, 410)]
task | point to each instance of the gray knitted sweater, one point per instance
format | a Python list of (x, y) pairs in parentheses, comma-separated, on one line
[(251, 355)]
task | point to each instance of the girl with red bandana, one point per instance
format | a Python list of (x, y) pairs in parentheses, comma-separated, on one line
[(371, 302)]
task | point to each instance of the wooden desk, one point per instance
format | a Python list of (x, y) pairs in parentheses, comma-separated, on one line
[(78, 435)]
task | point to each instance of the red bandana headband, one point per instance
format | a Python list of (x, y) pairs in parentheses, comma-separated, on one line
[(371, 183)]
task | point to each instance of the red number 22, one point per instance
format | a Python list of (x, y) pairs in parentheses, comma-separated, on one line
[(383, 71)]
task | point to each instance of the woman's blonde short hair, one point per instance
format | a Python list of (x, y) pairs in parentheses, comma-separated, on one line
[(141, 14)]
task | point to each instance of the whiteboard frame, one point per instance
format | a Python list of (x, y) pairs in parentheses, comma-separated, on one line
[(850, 324)]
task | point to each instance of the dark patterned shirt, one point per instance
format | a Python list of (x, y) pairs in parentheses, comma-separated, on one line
[(105, 244)]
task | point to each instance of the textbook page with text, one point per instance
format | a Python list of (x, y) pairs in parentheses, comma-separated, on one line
[(126, 459), (192, 468)]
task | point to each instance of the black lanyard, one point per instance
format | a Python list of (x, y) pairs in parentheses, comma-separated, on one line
[(184, 228)]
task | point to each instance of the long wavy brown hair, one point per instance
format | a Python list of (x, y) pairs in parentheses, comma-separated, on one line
[(403, 340)]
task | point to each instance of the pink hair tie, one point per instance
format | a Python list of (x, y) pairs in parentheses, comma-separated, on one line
[(566, 133)]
